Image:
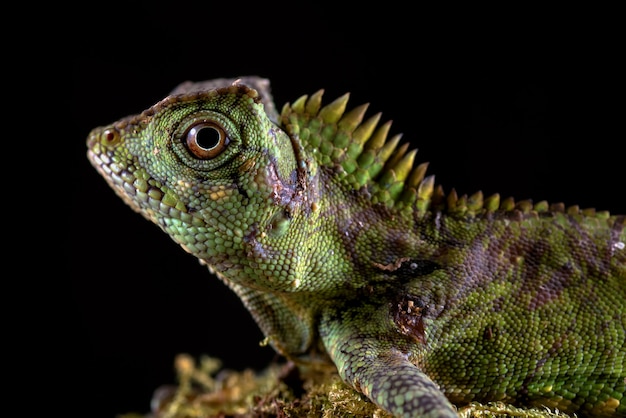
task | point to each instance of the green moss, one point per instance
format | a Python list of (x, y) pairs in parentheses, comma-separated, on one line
[(281, 390)]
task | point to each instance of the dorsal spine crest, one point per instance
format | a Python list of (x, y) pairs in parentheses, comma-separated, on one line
[(365, 157)]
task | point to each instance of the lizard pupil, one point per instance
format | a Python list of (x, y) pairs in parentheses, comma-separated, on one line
[(206, 140)]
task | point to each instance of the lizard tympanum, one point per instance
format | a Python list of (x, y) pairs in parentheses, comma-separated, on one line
[(345, 251)]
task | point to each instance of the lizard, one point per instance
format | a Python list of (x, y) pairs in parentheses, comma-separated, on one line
[(345, 251)]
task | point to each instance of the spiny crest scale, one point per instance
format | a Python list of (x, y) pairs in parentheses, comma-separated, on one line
[(365, 157), (358, 149)]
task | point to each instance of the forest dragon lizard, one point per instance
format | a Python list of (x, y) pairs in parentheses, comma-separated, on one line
[(345, 251)]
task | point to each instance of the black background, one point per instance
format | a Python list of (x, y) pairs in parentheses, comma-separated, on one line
[(527, 105)]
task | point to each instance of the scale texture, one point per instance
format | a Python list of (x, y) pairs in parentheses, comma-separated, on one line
[(345, 251)]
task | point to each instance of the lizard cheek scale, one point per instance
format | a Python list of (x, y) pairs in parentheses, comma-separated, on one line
[(347, 253)]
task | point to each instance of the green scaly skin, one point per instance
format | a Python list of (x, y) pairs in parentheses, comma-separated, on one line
[(344, 251)]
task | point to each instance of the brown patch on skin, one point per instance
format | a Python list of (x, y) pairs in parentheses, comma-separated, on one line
[(488, 333), (497, 252), (254, 247), (498, 304), (560, 279), (393, 266), (282, 193), (548, 288), (247, 165), (546, 275), (407, 316), (295, 193), (480, 264)]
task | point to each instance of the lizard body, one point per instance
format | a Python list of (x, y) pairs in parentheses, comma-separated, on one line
[(344, 251)]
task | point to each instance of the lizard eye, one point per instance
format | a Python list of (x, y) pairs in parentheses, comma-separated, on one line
[(206, 140)]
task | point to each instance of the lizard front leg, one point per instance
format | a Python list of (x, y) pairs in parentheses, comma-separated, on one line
[(367, 350)]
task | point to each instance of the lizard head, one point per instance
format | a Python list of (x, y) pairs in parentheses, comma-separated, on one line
[(205, 166)]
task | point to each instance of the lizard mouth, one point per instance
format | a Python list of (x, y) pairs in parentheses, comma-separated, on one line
[(143, 195), (117, 178)]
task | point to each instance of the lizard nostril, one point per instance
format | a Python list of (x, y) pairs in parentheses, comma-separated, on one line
[(110, 136)]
